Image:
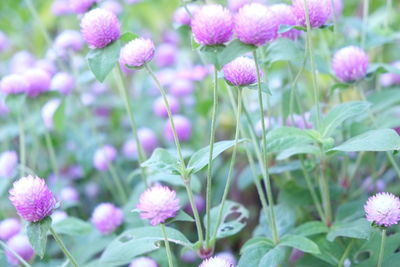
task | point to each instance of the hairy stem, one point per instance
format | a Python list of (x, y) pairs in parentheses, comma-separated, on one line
[(63, 247)]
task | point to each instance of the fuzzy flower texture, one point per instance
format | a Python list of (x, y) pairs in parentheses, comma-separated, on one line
[(137, 52), (240, 72), (157, 204), (216, 262), (383, 209), (319, 11), (32, 198), (350, 64), (107, 217)]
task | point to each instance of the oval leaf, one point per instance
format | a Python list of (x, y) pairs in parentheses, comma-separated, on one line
[(102, 61), (37, 235), (300, 242)]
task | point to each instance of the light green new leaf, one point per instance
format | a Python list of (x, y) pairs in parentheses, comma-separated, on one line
[(102, 60), (37, 235), (299, 242)]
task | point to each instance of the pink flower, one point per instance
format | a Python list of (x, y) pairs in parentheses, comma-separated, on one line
[(100, 27), (383, 209), (157, 204), (285, 16), (216, 262), (80, 6), (38, 80), (63, 82), (103, 157), (137, 52), (183, 128), (181, 87), (13, 84), (8, 163), (60, 7), (70, 195), (147, 139), (113, 6), (181, 16), (20, 245), (68, 40), (212, 25), (389, 79), (107, 217), (350, 64), (166, 55), (9, 228), (143, 262), (32, 199), (159, 106), (240, 72), (319, 12)]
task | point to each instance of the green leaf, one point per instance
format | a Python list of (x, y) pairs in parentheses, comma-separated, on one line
[(37, 235), (374, 140), (339, 114), (102, 61), (297, 150), (311, 228), (264, 88), (127, 37), (378, 68), (331, 252), (285, 220), (194, 44), (299, 242), (211, 54), (273, 257), (138, 241), (254, 250), (72, 226), (233, 50), (15, 102), (199, 159), (255, 242), (283, 138), (360, 228), (339, 86), (286, 28), (162, 161), (181, 216), (59, 117)]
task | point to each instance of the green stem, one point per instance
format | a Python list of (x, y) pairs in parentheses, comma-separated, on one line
[(267, 180), (52, 154), (382, 248), (293, 91), (388, 13), (110, 187), (210, 156), (22, 152), (167, 246), (334, 18), (118, 183), (63, 248), (364, 22), (357, 165), (20, 259), (346, 253), (36, 17), (324, 186)]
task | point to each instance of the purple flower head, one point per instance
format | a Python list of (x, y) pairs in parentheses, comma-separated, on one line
[(69, 194), (240, 72), (256, 24), (295, 255), (183, 128), (9, 228), (58, 216), (199, 202), (285, 16), (159, 107), (143, 262), (92, 189), (81, 6), (216, 262), (63, 82), (113, 6), (338, 5), (99, 27), (157, 204), (212, 25), (181, 87), (166, 55), (60, 7), (389, 79), (13, 84), (181, 16), (32, 199), (21, 61), (38, 80), (147, 139), (103, 157), (8, 163), (189, 256), (106, 217), (383, 209), (68, 40), (137, 52), (3, 42), (46, 65), (48, 111), (133, 1), (319, 12), (350, 64), (20, 245), (228, 255)]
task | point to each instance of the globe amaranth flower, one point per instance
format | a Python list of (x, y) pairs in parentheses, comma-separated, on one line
[(70, 195), (148, 140), (62, 82), (199, 202), (48, 111), (383, 209), (113, 6), (81, 6), (338, 7), (68, 40), (103, 157), (13, 84), (160, 109), (212, 25), (46, 65), (107, 217), (181, 87), (389, 79), (256, 24), (319, 12), (216, 262), (143, 262), (61, 7), (183, 128), (21, 61), (166, 55), (350, 64), (182, 17), (8, 163), (38, 80), (100, 27), (285, 16), (20, 245), (32, 198), (240, 72), (228, 255), (9, 228), (137, 52), (157, 204)]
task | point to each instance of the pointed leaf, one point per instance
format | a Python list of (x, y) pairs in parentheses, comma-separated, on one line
[(233, 50), (37, 235), (102, 61), (72, 226), (299, 242)]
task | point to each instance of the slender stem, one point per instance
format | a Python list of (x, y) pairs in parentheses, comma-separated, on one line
[(118, 183), (110, 187), (167, 246), (334, 17), (267, 180), (22, 152), (346, 253), (388, 13), (36, 17), (312, 63), (382, 248), (357, 164), (52, 154), (365, 22), (210, 157), (324, 186), (293, 91), (63, 248), (20, 259), (124, 93)]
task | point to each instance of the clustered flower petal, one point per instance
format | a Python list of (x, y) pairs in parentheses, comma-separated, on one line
[(8, 163), (32, 198), (319, 12), (285, 16), (9, 228), (390, 78), (38, 80), (240, 72), (160, 109), (183, 128), (383, 209), (157, 204), (13, 84), (212, 25), (69, 39), (148, 140), (350, 64), (103, 157), (137, 52), (20, 245), (216, 262), (143, 262), (80, 6), (182, 17), (107, 217), (63, 82)]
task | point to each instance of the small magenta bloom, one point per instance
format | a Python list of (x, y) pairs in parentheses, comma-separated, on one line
[(48, 111), (63, 82), (137, 52), (199, 202), (181, 16), (148, 140), (14, 84), (256, 24), (159, 106), (389, 79), (8, 163), (69, 40), (60, 7), (113, 6), (103, 157), (70, 195), (183, 128), (181, 87), (240, 72), (157, 204), (46, 65), (228, 255), (166, 55), (216, 262), (21, 61), (350, 64), (32, 199), (9, 228), (319, 12), (99, 27), (212, 25), (107, 217), (285, 16), (143, 262), (383, 209), (19, 244), (38, 80), (80, 6)]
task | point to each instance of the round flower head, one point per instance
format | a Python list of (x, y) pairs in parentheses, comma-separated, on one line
[(212, 25), (20, 245), (181, 87), (300, 121), (62, 82), (284, 15), (147, 139), (48, 111), (99, 27), (350, 64), (240, 72), (8, 163), (106, 217), (13, 84), (80, 6), (60, 7), (383, 209), (137, 52), (166, 55), (159, 107), (183, 128), (113, 6), (389, 79), (69, 39), (319, 12), (32, 199), (228, 255), (38, 80), (103, 157), (181, 16), (69, 194), (216, 262), (9, 228), (143, 262), (21, 61), (46, 65), (157, 204), (199, 202)]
